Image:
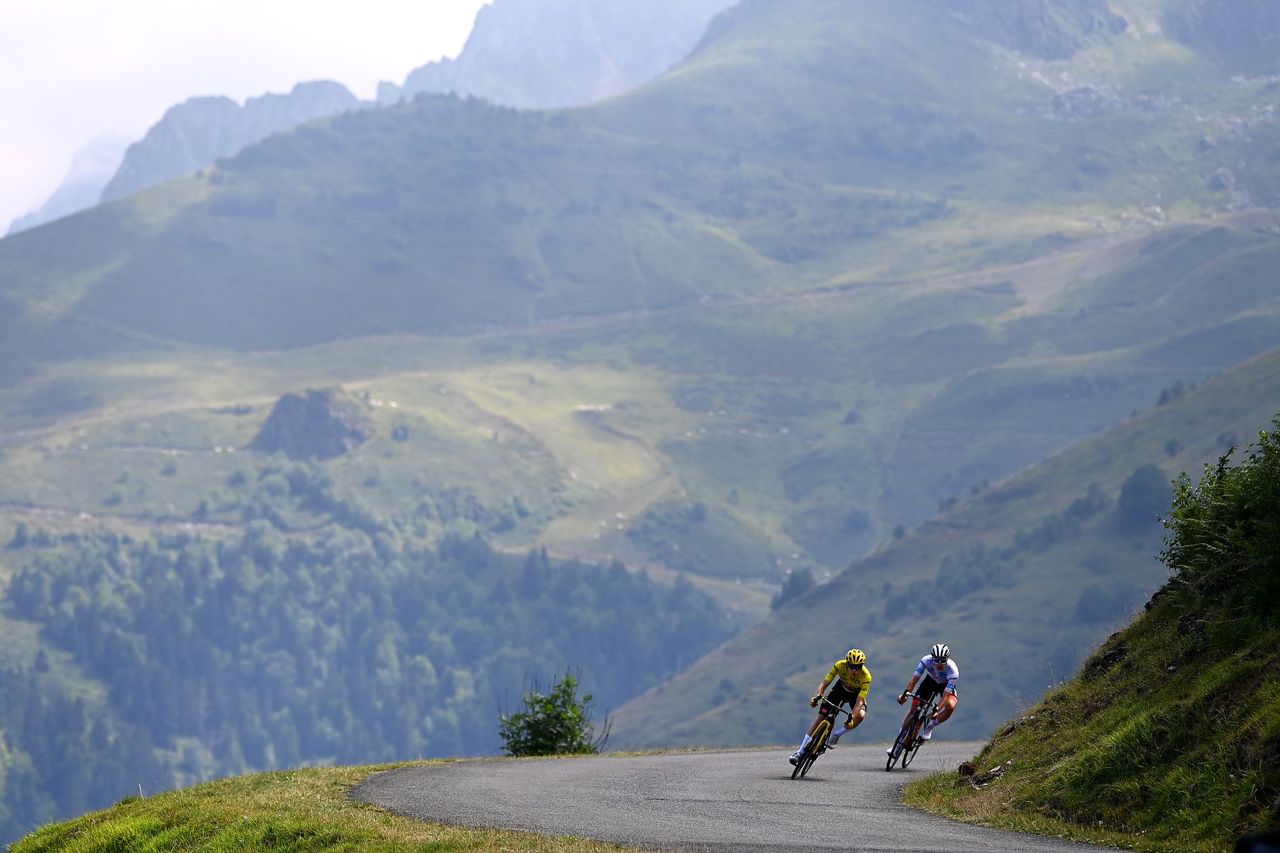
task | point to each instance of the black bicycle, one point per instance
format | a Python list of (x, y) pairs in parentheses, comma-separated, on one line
[(908, 742), (818, 743)]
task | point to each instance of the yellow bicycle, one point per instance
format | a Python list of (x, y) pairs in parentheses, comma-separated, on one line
[(818, 743)]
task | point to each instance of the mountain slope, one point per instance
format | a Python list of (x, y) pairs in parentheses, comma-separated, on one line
[(1020, 580), (1170, 734), (562, 53), (200, 131), (748, 183)]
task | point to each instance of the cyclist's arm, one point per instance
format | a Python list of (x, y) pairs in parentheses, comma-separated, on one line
[(832, 675), (915, 677)]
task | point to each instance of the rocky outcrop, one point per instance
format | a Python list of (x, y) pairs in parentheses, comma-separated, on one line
[(561, 53), (320, 424), (1243, 35), (1050, 29), (199, 131)]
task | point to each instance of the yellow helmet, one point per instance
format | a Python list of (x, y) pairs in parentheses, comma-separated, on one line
[(856, 657)]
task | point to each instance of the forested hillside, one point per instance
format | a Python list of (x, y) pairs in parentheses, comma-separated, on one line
[(168, 659)]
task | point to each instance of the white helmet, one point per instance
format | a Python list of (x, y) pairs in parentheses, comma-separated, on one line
[(940, 652)]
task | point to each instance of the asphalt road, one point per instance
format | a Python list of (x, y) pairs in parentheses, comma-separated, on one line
[(731, 800)]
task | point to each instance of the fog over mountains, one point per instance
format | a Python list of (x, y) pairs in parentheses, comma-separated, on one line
[(521, 53), (92, 167)]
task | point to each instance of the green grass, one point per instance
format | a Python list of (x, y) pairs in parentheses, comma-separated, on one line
[(298, 810), (1163, 760)]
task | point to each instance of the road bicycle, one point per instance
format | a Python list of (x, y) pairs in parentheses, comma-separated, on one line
[(908, 742), (818, 743)]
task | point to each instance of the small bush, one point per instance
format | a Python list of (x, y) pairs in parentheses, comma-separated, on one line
[(557, 723)]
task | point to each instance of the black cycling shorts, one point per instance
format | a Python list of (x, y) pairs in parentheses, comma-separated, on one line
[(928, 688), (839, 695)]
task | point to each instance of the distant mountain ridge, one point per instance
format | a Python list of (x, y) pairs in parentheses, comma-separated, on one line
[(521, 54), (563, 53), (190, 136), (1051, 29), (199, 131), (92, 168)]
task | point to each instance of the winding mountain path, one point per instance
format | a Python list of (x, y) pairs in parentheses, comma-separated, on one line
[(712, 801)]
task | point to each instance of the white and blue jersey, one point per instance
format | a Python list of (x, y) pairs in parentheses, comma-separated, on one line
[(946, 673)]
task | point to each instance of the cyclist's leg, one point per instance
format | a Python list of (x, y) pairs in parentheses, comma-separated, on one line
[(929, 689), (808, 736), (826, 712), (859, 708), (857, 713), (945, 709), (911, 708), (839, 696)]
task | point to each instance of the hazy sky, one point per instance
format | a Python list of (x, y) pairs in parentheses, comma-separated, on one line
[(71, 70)]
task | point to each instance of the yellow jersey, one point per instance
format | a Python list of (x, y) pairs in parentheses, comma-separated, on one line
[(854, 680)]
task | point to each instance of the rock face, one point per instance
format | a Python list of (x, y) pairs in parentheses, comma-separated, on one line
[(1243, 35), (1050, 29), (198, 131), (562, 53), (317, 425)]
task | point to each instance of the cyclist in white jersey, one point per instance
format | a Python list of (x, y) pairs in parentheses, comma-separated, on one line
[(940, 674)]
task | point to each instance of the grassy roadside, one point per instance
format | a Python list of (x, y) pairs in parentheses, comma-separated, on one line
[(1133, 755), (1169, 738), (295, 810)]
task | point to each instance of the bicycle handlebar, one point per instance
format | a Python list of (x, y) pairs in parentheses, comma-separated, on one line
[(839, 710), (914, 694)]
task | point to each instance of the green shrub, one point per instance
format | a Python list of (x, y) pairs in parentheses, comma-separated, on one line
[(1223, 541), (557, 723)]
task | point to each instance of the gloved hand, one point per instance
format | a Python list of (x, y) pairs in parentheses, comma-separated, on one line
[(813, 703), (902, 698)]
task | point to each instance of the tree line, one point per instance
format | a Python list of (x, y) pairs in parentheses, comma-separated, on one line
[(273, 649)]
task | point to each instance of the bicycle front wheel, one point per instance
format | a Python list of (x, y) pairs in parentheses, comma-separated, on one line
[(897, 750), (908, 754), (913, 743), (815, 746)]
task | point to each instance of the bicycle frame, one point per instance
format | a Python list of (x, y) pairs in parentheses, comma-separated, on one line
[(908, 740), (818, 743)]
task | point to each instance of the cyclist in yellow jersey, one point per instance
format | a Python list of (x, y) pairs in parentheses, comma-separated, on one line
[(853, 680)]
